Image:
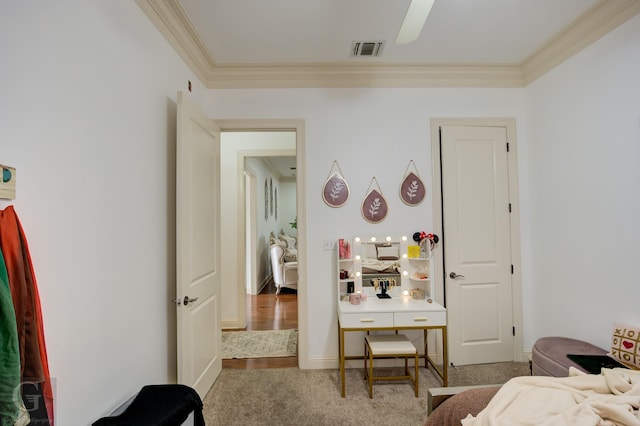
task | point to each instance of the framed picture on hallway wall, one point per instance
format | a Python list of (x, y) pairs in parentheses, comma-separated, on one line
[(271, 196), (266, 199)]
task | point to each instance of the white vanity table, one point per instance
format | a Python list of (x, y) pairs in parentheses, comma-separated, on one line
[(401, 311)]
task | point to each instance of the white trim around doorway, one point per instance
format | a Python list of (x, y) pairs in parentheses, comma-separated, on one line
[(298, 126)]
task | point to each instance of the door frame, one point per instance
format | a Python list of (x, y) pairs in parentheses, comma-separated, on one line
[(251, 215), (438, 255), (297, 126)]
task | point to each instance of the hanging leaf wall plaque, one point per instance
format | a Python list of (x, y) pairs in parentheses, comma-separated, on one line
[(374, 206), (335, 191), (412, 190)]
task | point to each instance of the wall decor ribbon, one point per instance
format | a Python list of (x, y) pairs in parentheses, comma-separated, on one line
[(374, 206), (335, 191), (412, 189)]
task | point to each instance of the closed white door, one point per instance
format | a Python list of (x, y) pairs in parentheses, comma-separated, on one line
[(477, 253), (199, 337)]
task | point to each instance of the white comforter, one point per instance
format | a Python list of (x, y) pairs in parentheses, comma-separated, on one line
[(380, 265), (611, 398)]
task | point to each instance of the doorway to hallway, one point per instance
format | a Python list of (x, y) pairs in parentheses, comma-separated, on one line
[(265, 311)]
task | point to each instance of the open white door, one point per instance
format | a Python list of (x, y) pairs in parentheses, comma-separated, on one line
[(198, 248), (475, 193)]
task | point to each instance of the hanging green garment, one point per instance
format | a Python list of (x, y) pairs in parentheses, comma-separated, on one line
[(10, 399)]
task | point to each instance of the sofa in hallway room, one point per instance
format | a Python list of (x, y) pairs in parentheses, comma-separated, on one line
[(283, 254)]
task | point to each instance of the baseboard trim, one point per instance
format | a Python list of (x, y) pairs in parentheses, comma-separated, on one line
[(264, 283)]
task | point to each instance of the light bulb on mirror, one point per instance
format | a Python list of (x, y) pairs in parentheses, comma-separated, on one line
[(373, 239)]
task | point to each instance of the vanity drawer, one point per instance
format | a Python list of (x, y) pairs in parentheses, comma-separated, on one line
[(366, 320), (417, 319)]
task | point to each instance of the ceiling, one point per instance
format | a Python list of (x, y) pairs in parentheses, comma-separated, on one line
[(284, 167), (307, 43)]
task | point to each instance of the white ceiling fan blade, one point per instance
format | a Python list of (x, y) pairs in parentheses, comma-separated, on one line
[(414, 20)]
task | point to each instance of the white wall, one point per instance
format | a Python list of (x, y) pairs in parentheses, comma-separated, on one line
[(370, 133), (87, 115), (287, 210), (584, 158)]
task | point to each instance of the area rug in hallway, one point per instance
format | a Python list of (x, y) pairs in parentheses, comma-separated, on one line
[(259, 344)]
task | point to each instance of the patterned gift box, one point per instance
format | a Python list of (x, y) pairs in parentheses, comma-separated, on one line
[(625, 345)]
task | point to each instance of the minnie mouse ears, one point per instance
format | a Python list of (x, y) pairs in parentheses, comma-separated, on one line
[(419, 236)]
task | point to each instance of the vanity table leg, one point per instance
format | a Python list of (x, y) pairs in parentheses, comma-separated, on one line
[(341, 352), (426, 348), (445, 358)]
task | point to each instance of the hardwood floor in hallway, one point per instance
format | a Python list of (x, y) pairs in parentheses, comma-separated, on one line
[(266, 311)]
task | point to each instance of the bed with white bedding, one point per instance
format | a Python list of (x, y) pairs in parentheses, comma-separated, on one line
[(609, 398)]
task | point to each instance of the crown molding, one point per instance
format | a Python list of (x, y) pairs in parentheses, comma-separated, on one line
[(171, 20), (336, 75), (599, 20)]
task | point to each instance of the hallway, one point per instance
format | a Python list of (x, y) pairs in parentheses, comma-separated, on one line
[(268, 312)]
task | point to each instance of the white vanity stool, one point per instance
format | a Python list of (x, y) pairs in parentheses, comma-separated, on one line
[(390, 346)]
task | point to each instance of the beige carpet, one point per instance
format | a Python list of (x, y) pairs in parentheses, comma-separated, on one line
[(291, 396), (259, 344)]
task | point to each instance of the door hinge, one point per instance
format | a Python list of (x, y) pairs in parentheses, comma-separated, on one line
[(514, 330), (507, 146), (509, 207), (512, 269)]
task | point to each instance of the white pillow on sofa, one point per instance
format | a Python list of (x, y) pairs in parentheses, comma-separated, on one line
[(289, 241), (290, 255)]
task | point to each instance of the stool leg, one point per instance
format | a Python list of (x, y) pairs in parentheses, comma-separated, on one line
[(370, 375), (365, 360)]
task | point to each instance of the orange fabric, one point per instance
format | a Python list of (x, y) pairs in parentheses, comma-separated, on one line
[(26, 301), (22, 296)]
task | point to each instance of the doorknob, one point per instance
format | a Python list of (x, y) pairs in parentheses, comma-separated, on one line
[(453, 276), (186, 300)]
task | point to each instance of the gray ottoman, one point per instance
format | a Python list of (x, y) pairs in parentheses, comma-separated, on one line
[(549, 355)]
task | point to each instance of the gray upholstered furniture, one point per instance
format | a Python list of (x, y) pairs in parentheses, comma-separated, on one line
[(549, 355), (456, 402)]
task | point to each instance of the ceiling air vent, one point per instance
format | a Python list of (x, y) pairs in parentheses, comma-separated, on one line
[(367, 48)]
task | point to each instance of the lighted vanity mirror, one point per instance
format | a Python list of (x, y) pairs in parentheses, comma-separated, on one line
[(382, 261)]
